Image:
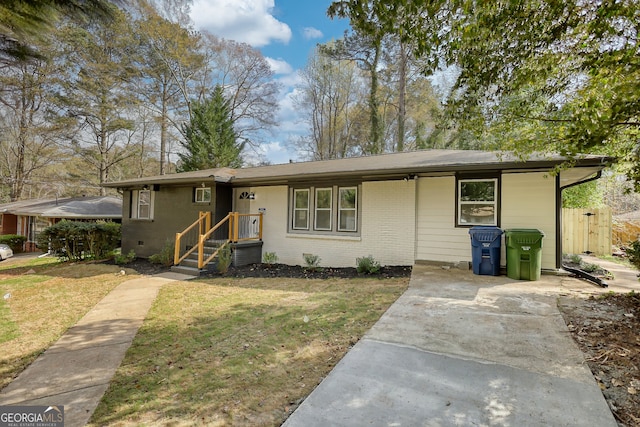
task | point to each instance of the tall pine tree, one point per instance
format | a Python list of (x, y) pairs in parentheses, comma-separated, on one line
[(210, 140)]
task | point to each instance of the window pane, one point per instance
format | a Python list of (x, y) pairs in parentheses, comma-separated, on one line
[(143, 212), (347, 211), (477, 191), (323, 198), (203, 195), (302, 199), (323, 220), (348, 220), (477, 213), (347, 198), (300, 219), (301, 209), (144, 199)]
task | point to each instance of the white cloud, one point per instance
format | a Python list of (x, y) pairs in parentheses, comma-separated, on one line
[(311, 33), (248, 21), (279, 66), (275, 152)]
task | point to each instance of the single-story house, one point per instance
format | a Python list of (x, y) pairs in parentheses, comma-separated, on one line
[(400, 208), (29, 217)]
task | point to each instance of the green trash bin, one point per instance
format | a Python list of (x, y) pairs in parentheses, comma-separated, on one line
[(524, 253)]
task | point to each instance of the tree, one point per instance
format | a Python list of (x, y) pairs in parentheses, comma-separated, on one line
[(27, 138), (587, 195), (22, 21), (561, 76), (366, 50), (170, 63), (97, 92), (328, 94), (248, 83), (210, 140)]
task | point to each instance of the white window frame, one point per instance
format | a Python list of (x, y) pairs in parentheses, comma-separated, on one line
[(137, 202), (493, 203), (353, 209), (329, 209), (312, 210), (201, 193), (297, 209)]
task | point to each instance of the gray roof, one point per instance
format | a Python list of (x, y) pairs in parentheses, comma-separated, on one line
[(106, 207), (384, 166)]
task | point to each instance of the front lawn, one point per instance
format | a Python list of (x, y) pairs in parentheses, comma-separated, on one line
[(40, 298), (229, 351)]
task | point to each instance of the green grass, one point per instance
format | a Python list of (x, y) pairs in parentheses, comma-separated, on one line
[(240, 351)]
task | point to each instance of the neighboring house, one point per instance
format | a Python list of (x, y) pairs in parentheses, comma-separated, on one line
[(401, 208), (29, 217)]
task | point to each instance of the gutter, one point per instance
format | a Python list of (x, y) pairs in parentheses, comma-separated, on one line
[(584, 275), (559, 264)]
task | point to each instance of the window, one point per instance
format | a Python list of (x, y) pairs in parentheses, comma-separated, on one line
[(324, 210), (142, 204), (203, 195), (347, 209), (301, 209), (477, 201)]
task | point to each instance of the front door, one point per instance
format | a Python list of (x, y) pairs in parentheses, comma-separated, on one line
[(242, 200)]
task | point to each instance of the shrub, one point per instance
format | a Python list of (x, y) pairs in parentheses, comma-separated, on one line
[(15, 241), (312, 261), (224, 259), (633, 251), (576, 259), (367, 265), (269, 258), (589, 268), (165, 257), (75, 240), (122, 259)]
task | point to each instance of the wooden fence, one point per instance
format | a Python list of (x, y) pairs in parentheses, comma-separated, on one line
[(586, 231)]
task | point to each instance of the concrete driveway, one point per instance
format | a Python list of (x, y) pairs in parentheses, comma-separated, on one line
[(459, 349)]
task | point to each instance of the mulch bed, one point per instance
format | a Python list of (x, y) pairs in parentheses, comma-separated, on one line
[(143, 266)]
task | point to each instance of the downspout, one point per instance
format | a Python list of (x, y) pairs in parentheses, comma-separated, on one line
[(597, 176)]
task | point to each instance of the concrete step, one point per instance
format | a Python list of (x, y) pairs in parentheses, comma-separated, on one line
[(183, 269)]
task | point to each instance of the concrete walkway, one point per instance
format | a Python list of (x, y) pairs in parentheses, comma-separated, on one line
[(76, 371), (459, 349)]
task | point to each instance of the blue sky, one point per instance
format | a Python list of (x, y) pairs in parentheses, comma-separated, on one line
[(285, 31)]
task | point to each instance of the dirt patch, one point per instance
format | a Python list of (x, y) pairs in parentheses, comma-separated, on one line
[(606, 330)]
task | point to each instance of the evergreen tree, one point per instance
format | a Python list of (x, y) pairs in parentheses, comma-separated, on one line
[(210, 139)]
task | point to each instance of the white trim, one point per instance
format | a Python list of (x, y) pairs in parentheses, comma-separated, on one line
[(200, 193), (354, 209), (338, 237), (296, 209), (489, 203), (135, 204), (329, 209)]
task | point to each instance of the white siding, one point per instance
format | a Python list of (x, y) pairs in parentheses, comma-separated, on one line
[(437, 237), (387, 224), (393, 235), (528, 201)]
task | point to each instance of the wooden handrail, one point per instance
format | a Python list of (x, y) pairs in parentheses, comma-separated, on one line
[(235, 221), (206, 216)]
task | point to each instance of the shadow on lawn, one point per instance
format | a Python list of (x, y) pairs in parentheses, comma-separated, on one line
[(210, 360)]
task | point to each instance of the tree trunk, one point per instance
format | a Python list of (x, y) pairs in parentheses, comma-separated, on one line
[(376, 146), (402, 89)]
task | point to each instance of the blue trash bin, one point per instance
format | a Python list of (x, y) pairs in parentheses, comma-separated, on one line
[(485, 250)]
